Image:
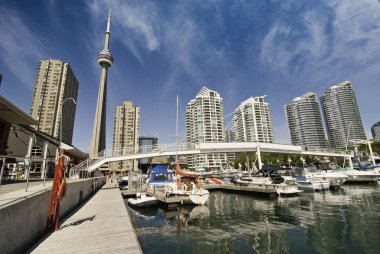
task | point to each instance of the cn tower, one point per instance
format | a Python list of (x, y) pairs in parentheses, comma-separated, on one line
[(105, 59)]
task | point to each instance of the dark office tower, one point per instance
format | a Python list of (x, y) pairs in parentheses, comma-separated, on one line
[(342, 116)]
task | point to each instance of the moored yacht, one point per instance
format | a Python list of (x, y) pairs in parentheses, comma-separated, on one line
[(268, 178), (357, 176), (160, 176), (187, 188), (323, 171)]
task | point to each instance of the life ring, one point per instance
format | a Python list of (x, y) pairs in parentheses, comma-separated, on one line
[(184, 188)]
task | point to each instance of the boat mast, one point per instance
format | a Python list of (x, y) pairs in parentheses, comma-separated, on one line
[(176, 133)]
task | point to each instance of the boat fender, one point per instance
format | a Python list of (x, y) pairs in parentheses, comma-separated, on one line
[(184, 188)]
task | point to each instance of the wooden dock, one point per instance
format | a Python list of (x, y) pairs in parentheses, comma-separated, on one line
[(131, 193), (102, 225)]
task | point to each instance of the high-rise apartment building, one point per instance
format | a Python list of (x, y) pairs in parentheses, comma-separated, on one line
[(55, 82), (342, 116), (126, 134), (304, 120), (252, 121), (375, 129), (205, 123)]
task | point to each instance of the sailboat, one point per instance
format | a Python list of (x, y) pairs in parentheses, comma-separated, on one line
[(187, 188)]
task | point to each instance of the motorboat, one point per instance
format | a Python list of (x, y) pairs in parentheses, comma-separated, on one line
[(160, 176), (310, 184), (187, 188), (268, 178), (357, 176), (323, 171), (231, 173), (142, 200)]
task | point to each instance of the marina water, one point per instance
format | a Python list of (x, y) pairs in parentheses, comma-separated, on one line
[(346, 220)]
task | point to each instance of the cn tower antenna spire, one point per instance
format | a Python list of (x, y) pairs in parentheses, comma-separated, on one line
[(105, 60), (109, 22)]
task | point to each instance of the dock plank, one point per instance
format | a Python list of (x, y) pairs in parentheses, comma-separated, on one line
[(102, 225)]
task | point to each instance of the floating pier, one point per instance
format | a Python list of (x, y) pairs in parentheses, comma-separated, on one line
[(264, 189)]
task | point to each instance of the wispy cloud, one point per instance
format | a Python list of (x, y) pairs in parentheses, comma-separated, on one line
[(19, 46), (134, 23), (327, 39)]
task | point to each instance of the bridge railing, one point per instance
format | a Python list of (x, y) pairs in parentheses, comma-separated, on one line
[(325, 150), (118, 152)]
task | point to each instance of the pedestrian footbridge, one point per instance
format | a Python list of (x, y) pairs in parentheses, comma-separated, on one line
[(123, 154)]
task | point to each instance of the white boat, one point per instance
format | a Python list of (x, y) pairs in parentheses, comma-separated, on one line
[(335, 179), (357, 176), (230, 173), (160, 176), (187, 188), (311, 184), (288, 187), (142, 200), (284, 185)]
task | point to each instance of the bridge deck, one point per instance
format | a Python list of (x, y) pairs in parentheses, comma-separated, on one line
[(102, 225)]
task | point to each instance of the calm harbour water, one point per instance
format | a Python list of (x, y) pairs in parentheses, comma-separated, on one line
[(341, 221)]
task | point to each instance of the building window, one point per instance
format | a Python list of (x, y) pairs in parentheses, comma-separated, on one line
[(36, 151)]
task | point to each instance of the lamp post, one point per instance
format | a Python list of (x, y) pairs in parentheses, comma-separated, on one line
[(60, 122)]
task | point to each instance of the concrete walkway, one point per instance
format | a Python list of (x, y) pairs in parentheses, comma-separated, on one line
[(10, 193), (102, 225)]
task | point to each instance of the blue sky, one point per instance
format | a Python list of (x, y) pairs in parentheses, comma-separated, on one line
[(278, 48)]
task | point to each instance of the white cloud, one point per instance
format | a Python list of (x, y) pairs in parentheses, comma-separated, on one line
[(20, 48), (133, 23), (325, 44)]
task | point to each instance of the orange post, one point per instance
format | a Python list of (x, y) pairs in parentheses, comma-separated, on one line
[(57, 193)]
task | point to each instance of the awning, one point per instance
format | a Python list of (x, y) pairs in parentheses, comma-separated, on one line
[(12, 114)]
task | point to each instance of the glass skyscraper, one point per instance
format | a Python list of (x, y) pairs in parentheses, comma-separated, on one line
[(304, 121), (342, 116)]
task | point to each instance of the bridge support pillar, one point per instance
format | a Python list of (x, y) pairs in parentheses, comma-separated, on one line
[(350, 161), (259, 157)]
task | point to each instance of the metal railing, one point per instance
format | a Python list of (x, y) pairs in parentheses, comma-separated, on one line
[(77, 171), (80, 170)]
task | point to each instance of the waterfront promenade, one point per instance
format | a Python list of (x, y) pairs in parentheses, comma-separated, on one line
[(102, 225)]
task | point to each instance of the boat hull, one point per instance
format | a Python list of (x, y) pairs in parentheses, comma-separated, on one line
[(143, 202), (313, 186)]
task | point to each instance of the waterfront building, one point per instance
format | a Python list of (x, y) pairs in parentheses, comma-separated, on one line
[(230, 136), (252, 121), (304, 121), (55, 82), (342, 116), (205, 123), (375, 129), (105, 59), (126, 135), (17, 131)]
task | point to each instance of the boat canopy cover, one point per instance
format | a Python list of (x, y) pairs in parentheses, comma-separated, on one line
[(160, 173), (272, 169)]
